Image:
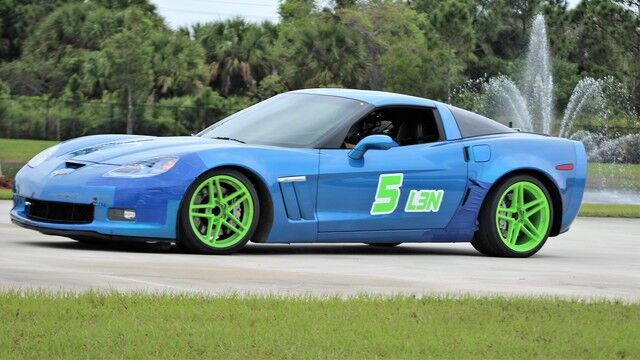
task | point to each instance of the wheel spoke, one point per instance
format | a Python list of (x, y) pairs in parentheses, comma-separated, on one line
[(218, 189), (530, 230), (211, 192), (516, 232), (510, 232), (533, 203), (231, 227), (204, 215), (507, 210), (520, 190), (506, 218), (217, 231), (235, 220), (514, 199), (202, 206), (227, 199), (209, 229), (535, 209)]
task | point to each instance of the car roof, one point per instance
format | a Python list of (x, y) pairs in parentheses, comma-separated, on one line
[(376, 98)]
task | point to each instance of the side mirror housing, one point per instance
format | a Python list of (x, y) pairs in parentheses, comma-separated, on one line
[(375, 142)]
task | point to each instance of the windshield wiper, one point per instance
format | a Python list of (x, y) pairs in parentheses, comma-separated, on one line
[(228, 138)]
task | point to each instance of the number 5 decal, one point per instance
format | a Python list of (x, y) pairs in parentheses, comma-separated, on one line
[(387, 195)]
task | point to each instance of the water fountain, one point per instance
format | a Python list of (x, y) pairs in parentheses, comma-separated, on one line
[(529, 105)]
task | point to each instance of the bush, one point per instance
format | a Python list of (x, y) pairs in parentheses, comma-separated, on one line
[(5, 182)]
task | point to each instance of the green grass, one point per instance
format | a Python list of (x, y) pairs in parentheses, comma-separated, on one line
[(17, 150), (96, 325), (621, 176), (6, 194), (610, 210)]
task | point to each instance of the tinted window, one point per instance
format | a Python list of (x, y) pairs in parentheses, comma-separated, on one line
[(293, 120), (472, 124)]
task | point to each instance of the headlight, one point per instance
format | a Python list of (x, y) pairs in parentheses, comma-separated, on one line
[(42, 156), (147, 168)]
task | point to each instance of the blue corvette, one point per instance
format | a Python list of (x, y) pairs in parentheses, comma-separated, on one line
[(321, 165)]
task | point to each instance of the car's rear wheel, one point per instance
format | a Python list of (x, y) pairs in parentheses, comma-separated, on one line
[(515, 219), (219, 213)]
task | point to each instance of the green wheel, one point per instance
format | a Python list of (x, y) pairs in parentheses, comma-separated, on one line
[(516, 219), (219, 213)]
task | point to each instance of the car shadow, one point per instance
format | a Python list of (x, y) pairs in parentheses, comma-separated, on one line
[(269, 249), (113, 246), (357, 249)]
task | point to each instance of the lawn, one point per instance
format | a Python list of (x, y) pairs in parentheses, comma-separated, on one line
[(625, 176), (93, 325), (17, 150), (6, 194), (610, 210)]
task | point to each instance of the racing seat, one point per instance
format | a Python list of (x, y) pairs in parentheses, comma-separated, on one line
[(413, 132)]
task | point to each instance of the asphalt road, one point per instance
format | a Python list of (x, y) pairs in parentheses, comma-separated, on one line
[(598, 258)]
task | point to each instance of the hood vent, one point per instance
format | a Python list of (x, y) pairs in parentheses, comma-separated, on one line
[(73, 165)]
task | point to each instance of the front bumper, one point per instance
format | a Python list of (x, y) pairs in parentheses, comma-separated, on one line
[(100, 227), (80, 234), (156, 201)]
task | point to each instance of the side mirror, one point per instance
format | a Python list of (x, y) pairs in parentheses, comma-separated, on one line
[(376, 142)]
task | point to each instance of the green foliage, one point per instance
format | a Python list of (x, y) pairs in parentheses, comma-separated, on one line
[(452, 20), (57, 54), (396, 45), (176, 64), (238, 54), (269, 86), (311, 53)]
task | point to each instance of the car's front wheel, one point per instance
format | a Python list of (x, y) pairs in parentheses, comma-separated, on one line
[(515, 219), (219, 213)]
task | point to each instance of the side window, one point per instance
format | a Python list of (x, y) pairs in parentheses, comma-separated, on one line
[(472, 124), (406, 125)]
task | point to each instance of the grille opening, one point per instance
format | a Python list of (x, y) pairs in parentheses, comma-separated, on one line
[(59, 212)]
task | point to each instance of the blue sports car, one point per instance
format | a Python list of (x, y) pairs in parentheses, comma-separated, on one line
[(319, 165)]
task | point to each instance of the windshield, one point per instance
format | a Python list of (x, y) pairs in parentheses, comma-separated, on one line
[(291, 120)]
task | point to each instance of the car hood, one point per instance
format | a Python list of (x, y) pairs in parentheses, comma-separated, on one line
[(132, 149)]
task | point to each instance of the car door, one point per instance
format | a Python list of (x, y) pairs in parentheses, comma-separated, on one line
[(403, 188)]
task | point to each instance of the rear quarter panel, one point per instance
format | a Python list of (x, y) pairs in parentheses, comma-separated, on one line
[(495, 156)]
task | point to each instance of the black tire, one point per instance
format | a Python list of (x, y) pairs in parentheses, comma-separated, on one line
[(384, 245), (487, 240), (189, 241)]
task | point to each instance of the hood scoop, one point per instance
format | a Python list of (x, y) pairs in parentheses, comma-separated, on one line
[(73, 165)]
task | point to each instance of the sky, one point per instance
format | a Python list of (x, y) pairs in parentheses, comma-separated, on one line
[(188, 12)]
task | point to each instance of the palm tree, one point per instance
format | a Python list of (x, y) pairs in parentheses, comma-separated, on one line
[(237, 53)]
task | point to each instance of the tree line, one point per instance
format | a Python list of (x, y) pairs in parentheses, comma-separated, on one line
[(74, 67)]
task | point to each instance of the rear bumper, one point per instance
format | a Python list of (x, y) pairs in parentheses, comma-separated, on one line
[(575, 185)]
